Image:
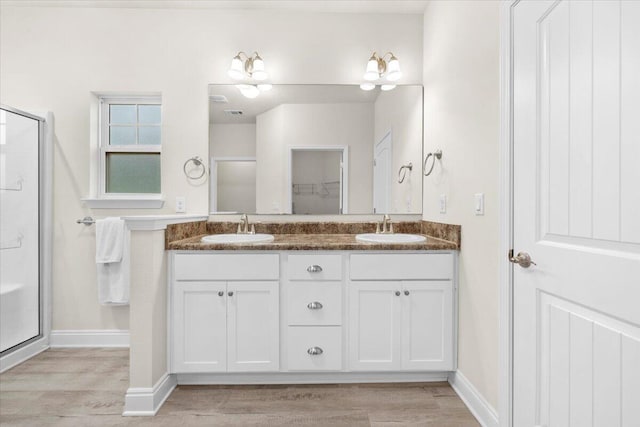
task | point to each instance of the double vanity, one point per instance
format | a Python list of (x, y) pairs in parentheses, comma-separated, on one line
[(311, 302)]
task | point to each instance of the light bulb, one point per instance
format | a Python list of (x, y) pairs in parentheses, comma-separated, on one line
[(248, 91), (393, 69), (387, 87), (371, 72), (367, 86), (257, 71), (236, 72), (265, 87)]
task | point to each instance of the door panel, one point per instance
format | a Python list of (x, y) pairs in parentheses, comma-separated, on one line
[(575, 138), (374, 316), (200, 327), (427, 326), (253, 333)]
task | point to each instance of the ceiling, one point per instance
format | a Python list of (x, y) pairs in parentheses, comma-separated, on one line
[(281, 94), (327, 6)]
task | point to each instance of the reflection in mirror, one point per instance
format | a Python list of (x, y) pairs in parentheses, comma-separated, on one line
[(315, 149)]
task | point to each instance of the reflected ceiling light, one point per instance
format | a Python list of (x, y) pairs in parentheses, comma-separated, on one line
[(265, 87), (367, 86), (251, 67), (249, 91), (387, 87)]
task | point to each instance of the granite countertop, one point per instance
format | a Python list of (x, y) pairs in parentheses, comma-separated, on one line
[(298, 242)]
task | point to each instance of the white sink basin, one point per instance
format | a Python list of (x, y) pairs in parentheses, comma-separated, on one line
[(237, 238), (390, 238)]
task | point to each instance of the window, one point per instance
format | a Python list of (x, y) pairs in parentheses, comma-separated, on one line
[(130, 147)]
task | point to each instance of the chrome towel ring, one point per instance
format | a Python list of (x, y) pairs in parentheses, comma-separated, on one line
[(436, 155), (199, 164), (403, 171)]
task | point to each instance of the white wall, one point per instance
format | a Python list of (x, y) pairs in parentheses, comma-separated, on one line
[(313, 125), (461, 86), (53, 57), (232, 140), (400, 111)]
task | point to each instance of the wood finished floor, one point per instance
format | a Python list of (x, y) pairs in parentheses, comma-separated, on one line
[(86, 387)]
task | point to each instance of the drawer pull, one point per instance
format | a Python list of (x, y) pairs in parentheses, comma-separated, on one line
[(315, 351), (314, 269), (314, 305)]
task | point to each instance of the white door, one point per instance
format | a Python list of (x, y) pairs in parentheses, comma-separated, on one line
[(427, 326), (253, 326), (576, 118), (374, 326), (200, 327), (382, 156)]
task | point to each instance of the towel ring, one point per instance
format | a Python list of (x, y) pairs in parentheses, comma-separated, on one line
[(197, 161), (403, 171), (436, 155)]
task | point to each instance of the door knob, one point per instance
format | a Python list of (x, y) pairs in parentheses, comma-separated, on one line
[(397, 293), (220, 293), (230, 293), (406, 292), (522, 259)]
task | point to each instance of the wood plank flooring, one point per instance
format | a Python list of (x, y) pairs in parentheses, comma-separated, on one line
[(86, 387)]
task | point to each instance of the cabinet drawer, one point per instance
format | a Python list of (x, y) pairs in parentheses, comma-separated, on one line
[(401, 266), (310, 303), (325, 340), (227, 266), (315, 267)]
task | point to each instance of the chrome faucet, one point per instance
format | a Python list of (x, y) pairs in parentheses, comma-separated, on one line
[(243, 226), (387, 225)]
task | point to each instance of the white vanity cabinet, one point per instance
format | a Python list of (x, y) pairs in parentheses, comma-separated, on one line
[(225, 313), (316, 315), (401, 312)]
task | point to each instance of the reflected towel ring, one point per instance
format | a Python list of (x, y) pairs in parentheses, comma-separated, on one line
[(197, 161), (404, 174), (436, 155)]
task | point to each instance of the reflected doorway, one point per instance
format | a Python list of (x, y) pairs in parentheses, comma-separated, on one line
[(233, 185), (316, 180)]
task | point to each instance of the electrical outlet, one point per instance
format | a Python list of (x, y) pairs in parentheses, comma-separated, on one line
[(443, 203), (478, 206), (181, 204)]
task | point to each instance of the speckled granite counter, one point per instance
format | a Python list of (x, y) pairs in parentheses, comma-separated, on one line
[(312, 236)]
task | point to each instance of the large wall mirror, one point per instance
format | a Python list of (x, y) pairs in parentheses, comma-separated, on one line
[(316, 149)]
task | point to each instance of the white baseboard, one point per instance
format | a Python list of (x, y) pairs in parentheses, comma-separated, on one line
[(20, 355), (309, 378), (89, 338), (145, 402), (477, 404)]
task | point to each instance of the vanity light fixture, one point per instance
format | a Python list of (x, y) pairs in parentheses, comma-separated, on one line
[(251, 67), (378, 67)]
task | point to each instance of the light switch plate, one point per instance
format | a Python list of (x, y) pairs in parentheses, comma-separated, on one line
[(181, 204), (443, 203), (478, 205)]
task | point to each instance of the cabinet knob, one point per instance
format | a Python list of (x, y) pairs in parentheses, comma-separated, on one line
[(220, 293), (314, 305), (406, 292), (397, 293), (230, 293), (314, 269), (315, 351)]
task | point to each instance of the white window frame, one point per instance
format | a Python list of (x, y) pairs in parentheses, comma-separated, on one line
[(100, 198)]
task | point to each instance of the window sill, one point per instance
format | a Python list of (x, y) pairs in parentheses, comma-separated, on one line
[(124, 203)]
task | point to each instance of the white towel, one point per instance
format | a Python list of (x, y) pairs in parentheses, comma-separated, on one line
[(109, 240), (113, 241)]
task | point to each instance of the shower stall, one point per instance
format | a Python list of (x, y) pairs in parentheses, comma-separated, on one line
[(25, 201)]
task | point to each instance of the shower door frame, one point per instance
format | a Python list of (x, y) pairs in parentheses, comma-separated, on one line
[(29, 348)]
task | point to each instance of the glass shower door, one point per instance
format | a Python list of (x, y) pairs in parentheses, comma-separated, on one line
[(19, 229)]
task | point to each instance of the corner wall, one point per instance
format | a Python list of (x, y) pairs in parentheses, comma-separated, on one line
[(461, 87)]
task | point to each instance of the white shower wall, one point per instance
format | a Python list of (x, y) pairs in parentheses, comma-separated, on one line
[(19, 229)]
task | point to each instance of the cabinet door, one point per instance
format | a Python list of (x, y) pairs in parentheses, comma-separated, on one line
[(374, 326), (253, 326), (427, 326), (199, 327)]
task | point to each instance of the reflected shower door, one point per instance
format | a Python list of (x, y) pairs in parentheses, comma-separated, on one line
[(19, 229)]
